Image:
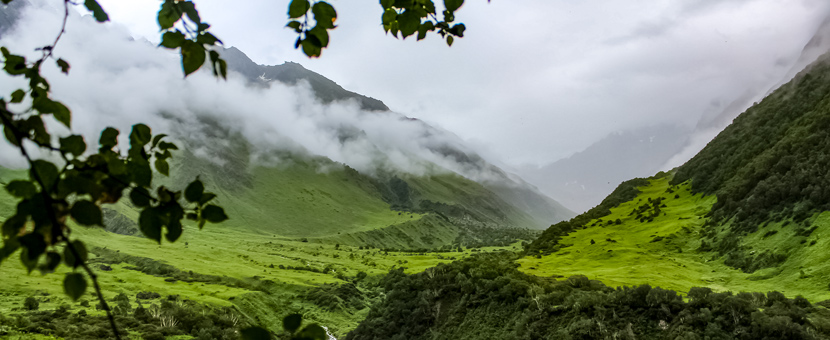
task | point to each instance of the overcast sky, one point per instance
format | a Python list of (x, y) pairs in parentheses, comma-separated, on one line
[(535, 80)]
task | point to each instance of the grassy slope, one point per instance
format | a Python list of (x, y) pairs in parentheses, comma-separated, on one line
[(674, 261), (237, 251), (294, 198), (220, 251)]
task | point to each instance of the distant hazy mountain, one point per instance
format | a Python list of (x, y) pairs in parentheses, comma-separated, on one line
[(711, 123), (582, 180)]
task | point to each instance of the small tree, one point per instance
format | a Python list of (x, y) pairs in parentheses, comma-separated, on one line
[(31, 303)]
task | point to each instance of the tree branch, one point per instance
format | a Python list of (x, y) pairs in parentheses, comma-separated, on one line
[(56, 229)]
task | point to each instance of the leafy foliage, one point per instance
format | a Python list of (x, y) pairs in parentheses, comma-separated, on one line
[(486, 297), (404, 17), (82, 181), (152, 319)]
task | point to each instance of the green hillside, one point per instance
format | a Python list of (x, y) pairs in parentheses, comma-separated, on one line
[(668, 250), (711, 250), (295, 243)]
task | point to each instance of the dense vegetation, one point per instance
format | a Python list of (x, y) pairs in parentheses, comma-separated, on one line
[(548, 242), (772, 161), (147, 314), (486, 297)]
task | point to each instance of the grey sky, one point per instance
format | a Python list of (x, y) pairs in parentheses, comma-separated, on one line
[(536, 80)]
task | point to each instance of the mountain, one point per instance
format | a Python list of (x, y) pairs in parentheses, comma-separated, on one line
[(290, 73), (309, 231), (748, 214), (752, 203), (582, 180)]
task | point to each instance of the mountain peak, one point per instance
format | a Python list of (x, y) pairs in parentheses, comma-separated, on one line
[(292, 72)]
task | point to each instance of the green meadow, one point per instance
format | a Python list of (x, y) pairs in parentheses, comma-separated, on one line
[(665, 252)]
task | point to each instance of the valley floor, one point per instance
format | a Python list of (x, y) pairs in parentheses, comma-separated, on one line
[(218, 267)]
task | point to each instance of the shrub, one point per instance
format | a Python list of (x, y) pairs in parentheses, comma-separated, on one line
[(31, 303)]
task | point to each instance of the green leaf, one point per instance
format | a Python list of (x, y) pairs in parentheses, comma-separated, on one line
[(96, 10), (62, 113), (313, 332), (193, 56), (87, 213), (298, 8), (311, 46), (17, 96), (7, 131), (207, 39), (453, 5), (45, 171), (157, 139), (324, 14), (408, 23), (206, 197), (255, 333), (174, 230), (223, 68), (295, 25), (292, 322), (389, 16), (12, 226), (149, 221), (458, 30), (9, 247), (193, 192), (33, 246), (162, 167), (63, 65), (168, 15), (140, 135), (140, 197), (386, 4), (141, 173), (424, 28), (15, 65), (74, 284), (173, 39), (214, 214), (449, 40), (109, 138), (22, 189), (70, 259), (73, 144), (189, 8), (28, 262), (53, 259), (321, 34)]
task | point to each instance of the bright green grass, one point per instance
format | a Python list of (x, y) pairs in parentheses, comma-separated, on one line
[(674, 263), (301, 198), (217, 250)]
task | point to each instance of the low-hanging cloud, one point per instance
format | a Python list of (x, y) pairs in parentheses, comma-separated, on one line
[(116, 81)]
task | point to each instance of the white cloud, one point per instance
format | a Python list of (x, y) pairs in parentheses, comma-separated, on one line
[(535, 80), (117, 82)]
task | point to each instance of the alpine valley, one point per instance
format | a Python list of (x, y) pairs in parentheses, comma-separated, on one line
[(380, 226)]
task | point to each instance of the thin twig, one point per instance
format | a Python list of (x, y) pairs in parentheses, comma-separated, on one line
[(97, 287), (48, 49)]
